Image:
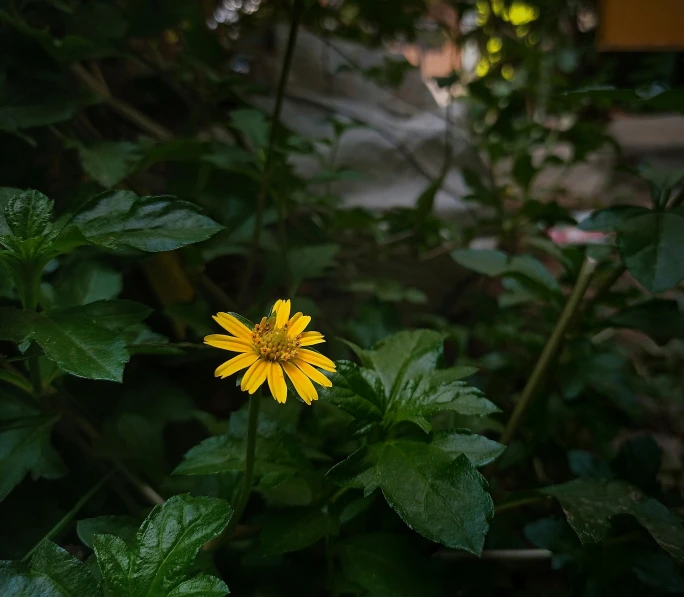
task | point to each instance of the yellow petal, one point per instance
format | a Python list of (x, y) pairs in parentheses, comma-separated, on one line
[(311, 338), (276, 306), (259, 377), (301, 382), (250, 373), (316, 358), (228, 343), (276, 381), (313, 373), (282, 313), (235, 364), (297, 327), (235, 327)]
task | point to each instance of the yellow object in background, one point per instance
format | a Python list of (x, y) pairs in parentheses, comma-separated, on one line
[(637, 25)]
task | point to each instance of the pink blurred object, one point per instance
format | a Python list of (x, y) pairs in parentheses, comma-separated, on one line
[(569, 235)]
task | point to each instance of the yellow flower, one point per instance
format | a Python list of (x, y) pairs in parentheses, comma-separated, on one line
[(275, 346)]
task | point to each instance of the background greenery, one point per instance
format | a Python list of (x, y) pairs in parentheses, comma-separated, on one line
[(521, 403)]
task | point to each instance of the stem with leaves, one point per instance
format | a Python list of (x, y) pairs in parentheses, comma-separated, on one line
[(551, 350), (298, 12), (246, 489)]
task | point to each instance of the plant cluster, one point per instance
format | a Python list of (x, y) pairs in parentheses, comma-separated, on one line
[(479, 421)]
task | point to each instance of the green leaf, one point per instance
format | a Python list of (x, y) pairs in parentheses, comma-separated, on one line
[(123, 527), (406, 355), (25, 444), (253, 125), (589, 506), (295, 529), (523, 170), (6, 193), (610, 218), (387, 565), (425, 395), (356, 390), (113, 315), (483, 261), (661, 319), (28, 214), (164, 549), (523, 268), (53, 572), (651, 246), (121, 220), (442, 498), (87, 282), (275, 451), (311, 261), (479, 449), (202, 585), (108, 162), (69, 338)]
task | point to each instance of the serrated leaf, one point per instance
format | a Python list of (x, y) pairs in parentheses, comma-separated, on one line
[(6, 193), (442, 498), (122, 220), (425, 395), (112, 315), (202, 585), (590, 505), (164, 549), (295, 529), (25, 444), (651, 246), (28, 214), (480, 450), (77, 344), (385, 564), (53, 572), (123, 527), (108, 162), (406, 355), (356, 390)]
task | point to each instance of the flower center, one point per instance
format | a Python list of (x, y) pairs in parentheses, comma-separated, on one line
[(273, 343)]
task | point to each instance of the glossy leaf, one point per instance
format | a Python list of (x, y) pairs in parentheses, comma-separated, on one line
[(356, 390), (164, 550), (201, 585), (25, 444), (608, 219), (442, 498), (28, 214), (423, 396), (293, 530), (53, 572), (589, 506), (387, 564), (651, 246), (480, 450), (406, 355), (77, 344), (121, 220)]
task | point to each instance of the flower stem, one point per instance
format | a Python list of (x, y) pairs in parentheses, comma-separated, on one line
[(298, 12), (548, 355), (69, 516), (246, 489)]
